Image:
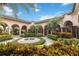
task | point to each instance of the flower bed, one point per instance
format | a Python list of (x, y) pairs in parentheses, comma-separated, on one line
[(65, 34), (5, 36), (53, 37), (56, 49)]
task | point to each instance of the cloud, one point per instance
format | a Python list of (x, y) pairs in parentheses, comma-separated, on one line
[(37, 10), (65, 4), (60, 13), (46, 17), (7, 9)]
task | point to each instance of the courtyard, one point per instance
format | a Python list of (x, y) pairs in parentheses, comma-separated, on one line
[(57, 36)]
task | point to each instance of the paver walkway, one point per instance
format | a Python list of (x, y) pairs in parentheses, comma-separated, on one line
[(14, 38), (48, 41)]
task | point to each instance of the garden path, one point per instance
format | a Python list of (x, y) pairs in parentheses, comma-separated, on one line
[(48, 41), (14, 39)]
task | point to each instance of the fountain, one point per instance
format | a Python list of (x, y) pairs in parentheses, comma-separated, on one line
[(29, 40)]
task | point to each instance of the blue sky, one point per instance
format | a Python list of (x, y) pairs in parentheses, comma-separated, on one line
[(42, 11)]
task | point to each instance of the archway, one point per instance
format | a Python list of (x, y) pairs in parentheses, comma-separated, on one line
[(24, 29), (58, 28), (47, 30), (15, 29), (3, 27), (68, 26), (39, 29), (32, 29)]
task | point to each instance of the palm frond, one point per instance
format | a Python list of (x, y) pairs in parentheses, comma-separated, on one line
[(32, 6), (14, 8), (24, 7)]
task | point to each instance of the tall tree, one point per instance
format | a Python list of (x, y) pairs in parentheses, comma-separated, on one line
[(39, 29), (32, 29), (51, 26)]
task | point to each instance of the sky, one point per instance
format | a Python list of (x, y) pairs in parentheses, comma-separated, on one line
[(43, 11)]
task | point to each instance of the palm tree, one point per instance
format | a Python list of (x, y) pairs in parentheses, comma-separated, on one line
[(14, 7), (51, 26), (48, 27), (32, 29), (39, 29)]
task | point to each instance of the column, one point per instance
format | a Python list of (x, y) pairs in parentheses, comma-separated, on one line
[(43, 31), (9, 29), (19, 31), (61, 29)]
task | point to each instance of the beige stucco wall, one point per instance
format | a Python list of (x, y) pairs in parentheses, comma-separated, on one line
[(73, 18), (11, 22)]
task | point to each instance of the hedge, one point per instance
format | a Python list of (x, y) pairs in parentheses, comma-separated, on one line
[(53, 37), (4, 37)]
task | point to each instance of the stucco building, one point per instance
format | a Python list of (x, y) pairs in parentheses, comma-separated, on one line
[(69, 23)]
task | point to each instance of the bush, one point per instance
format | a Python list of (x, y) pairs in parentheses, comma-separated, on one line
[(53, 37), (4, 37), (39, 35), (31, 35), (65, 34), (1, 30), (56, 49), (69, 41)]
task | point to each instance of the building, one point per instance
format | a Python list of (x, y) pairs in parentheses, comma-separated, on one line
[(69, 23)]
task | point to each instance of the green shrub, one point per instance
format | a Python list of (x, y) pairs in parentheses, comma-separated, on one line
[(69, 41), (56, 49), (31, 35), (1, 30), (39, 35), (4, 37), (53, 37), (65, 34)]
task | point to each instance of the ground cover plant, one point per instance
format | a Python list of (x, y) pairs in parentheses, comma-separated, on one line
[(31, 35), (5, 36), (58, 48)]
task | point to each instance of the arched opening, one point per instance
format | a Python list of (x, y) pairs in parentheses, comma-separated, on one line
[(47, 30), (39, 29), (15, 29), (3, 27), (58, 28), (24, 29), (75, 31), (32, 29), (68, 26)]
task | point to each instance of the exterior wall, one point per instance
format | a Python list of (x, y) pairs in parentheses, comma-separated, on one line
[(72, 18), (10, 22), (43, 24)]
